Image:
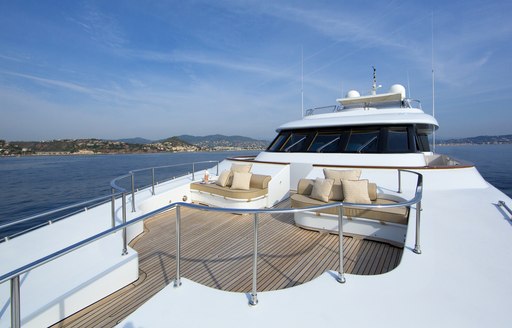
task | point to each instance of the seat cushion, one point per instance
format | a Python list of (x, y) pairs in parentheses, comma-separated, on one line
[(214, 189), (394, 214)]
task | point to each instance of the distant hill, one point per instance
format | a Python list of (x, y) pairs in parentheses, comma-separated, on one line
[(480, 140), (218, 141)]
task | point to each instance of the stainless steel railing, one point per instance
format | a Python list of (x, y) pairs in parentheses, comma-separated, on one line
[(504, 205), (131, 175), (117, 192), (14, 275)]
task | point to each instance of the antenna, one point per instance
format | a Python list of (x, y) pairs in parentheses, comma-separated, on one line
[(374, 85), (433, 87), (302, 79), (408, 86)]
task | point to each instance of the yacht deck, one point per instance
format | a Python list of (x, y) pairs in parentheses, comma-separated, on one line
[(217, 252)]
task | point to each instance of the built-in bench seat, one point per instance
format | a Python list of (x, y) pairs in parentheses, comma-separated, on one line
[(383, 224), (233, 190)]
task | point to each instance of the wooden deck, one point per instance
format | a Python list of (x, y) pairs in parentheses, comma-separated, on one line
[(217, 252)]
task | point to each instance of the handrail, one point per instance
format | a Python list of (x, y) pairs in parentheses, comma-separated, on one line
[(117, 191), (13, 276), (311, 111)]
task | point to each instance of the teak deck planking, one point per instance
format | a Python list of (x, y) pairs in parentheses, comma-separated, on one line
[(217, 251)]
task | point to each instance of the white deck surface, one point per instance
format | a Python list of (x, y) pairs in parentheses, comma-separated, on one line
[(462, 279)]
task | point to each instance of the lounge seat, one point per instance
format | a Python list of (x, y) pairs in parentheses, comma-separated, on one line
[(252, 193), (382, 224)]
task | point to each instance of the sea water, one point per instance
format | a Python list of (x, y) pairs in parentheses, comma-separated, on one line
[(35, 184)]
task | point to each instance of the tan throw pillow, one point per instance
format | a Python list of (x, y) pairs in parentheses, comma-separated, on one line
[(337, 176), (241, 181), (223, 178), (356, 191), (322, 189), (243, 168), (342, 174)]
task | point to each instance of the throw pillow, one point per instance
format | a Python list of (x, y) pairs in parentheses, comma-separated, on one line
[(322, 189), (223, 178), (356, 191), (241, 181)]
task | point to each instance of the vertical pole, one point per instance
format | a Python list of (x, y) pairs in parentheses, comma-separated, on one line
[(153, 181), (193, 171), (341, 271), (133, 192), (113, 208), (399, 181), (125, 248), (254, 296), (217, 168), (417, 249), (177, 282), (15, 302)]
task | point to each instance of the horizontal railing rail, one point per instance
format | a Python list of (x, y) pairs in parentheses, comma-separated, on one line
[(14, 275), (117, 192), (327, 109)]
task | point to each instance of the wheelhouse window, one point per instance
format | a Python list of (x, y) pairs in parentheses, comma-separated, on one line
[(295, 143), (397, 140), (363, 141), (325, 143), (369, 139)]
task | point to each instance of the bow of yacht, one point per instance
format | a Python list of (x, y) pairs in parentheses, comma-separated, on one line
[(348, 218)]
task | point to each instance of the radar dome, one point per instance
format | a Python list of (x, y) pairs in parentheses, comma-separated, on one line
[(398, 88), (353, 94)]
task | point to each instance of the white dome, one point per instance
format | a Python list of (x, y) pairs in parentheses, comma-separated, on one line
[(398, 88), (353, 94)]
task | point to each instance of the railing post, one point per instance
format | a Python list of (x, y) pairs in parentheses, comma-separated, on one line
[(177, 282), (217, 168), (254, 294), (193, 172), (15, 302), (133, 192), (399, 181), (113, 208), (341, 270), (125, 248), (153, 181), (417, 248)]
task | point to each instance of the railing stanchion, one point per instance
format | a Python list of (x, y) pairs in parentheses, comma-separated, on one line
[(125, 248), (193, 172), (341, 270), (15, 302), (399, 181), (217, 168), (133, 192), (254, 294), (417, 248), (177, 282), (153, 181), (113, 208)]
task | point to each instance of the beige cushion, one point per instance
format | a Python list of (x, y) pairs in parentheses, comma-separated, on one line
[(241, 181), (223, 178), (260, 181), (372, 191), (305, 186), (322, 189), (337, 175), (356, 191), (216, 190), (243, 168)]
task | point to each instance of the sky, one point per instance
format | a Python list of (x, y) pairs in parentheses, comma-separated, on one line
[(155, 69)]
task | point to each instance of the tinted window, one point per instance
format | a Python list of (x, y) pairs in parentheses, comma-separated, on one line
[(278, 142), (325, 143), (295, 143), (397, 141), (363, 141)]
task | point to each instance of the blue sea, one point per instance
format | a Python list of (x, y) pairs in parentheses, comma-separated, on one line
[(35, 184)]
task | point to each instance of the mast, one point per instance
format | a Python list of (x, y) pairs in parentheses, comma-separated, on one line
[(302, 79), (433, 87)]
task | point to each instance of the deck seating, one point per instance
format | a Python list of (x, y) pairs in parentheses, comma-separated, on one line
[(235, 188), (383, 224)]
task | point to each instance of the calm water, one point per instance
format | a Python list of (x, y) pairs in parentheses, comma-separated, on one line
[(32, 185)]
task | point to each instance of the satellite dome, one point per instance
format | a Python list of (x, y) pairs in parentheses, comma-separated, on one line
[(398, 88), (353, 94)]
